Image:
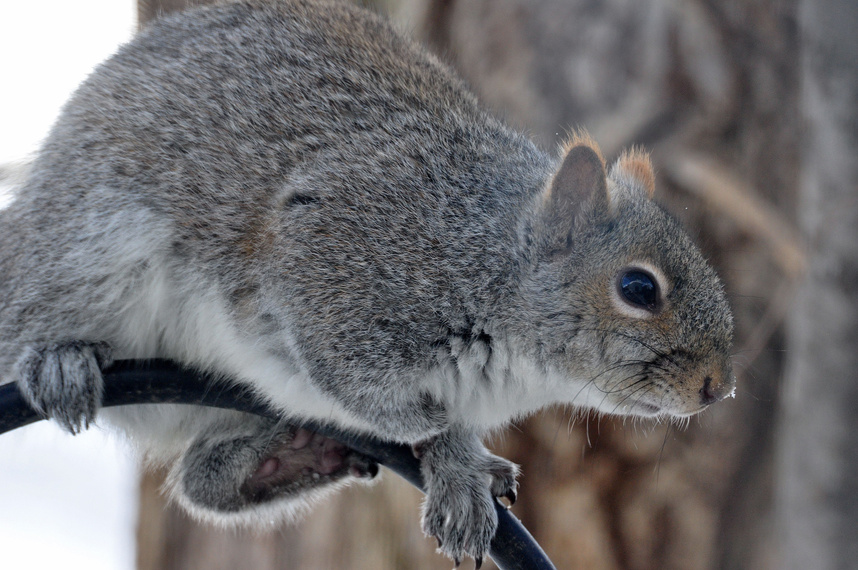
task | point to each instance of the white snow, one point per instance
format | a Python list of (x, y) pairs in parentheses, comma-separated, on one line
[(66, 501)]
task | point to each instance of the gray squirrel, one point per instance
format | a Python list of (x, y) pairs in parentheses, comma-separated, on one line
[(295, 197)]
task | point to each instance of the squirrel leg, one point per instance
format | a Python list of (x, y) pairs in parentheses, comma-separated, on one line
[(398, 419), (462, 480), (63, 380), (241, 467)]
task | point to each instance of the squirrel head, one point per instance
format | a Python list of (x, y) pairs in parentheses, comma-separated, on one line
[(620, 297)]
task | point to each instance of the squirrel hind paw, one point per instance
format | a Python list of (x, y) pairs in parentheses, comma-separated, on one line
[(230, 480), (63, 381), (300, 461)]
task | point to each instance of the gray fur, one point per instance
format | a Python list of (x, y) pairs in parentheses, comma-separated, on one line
[(293, 196)]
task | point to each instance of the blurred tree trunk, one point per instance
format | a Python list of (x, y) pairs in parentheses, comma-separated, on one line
[(818, 461), (712, 88)]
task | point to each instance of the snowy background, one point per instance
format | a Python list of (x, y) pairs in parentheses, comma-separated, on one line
[(65, 502)]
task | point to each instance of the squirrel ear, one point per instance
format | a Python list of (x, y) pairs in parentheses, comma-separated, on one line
[(579, 185), (632, 174)]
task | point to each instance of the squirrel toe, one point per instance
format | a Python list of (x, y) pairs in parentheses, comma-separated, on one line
[(63, 381)]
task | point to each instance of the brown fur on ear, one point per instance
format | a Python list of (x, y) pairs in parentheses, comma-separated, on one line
[(581, 137), (636, 164)]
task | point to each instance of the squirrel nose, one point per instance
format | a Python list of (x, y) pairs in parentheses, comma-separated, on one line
[(715, 389)]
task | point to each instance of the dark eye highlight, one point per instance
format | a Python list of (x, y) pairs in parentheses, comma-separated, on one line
[(639, 289)]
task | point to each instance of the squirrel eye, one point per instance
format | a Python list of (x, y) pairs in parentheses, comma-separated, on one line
[(639, 289)]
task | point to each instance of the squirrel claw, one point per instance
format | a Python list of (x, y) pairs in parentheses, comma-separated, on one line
[(478, 562), (418, 449), (511, 496), (372, 470)]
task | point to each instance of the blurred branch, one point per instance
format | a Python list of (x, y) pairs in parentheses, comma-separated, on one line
[(767, 325), (726, 191)]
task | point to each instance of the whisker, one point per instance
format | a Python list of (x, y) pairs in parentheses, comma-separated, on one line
[(644, 385), (620, 364), (589, 443), (655, 351), (661, 453), (644, 375)]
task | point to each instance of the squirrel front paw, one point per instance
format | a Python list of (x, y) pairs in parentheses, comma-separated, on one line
[(63, 381), (462, 480)]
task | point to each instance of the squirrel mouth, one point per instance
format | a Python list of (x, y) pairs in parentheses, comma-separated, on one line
[(645, 409)]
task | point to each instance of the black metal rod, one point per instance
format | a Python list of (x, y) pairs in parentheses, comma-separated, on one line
[(157, 381)]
